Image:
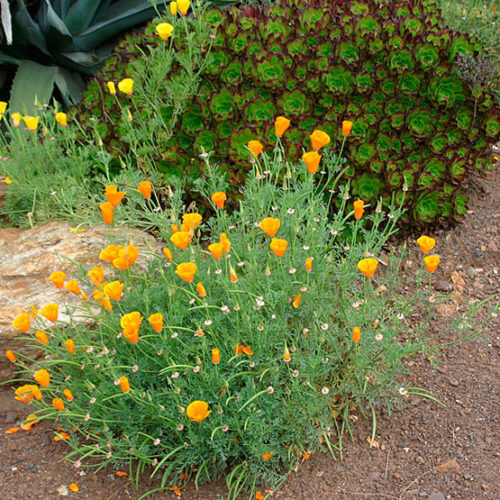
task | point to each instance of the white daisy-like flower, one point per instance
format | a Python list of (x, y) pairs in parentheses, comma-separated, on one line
[(325, 391), (290, 211), (379, 337), (218, 271), (292, 270), (207, 322), (225, 309), (324, 326)]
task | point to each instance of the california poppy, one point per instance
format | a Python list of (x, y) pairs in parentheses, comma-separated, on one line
[(145, 188), (278, 246), (70, 345), (27, 392), (42, 377), (215, 356), (218, 199), (111, 88), (50, 311), (281, 125), (296, 301), (358, 209), (68, 395), (255, 147), (368, 266), (232, 274), (3, 107), (192, 221), (96, 274), (107, 212), (57, 279), (62, 119), (10, 356), (198, 411), (426, 243), (346, 127), (126, 86), (432, 262), (22, 322), (156, 321), (312, 159), (266, 456), (180, 239), (42, 337), (110, 253), (270, 225), (114, 197), (309, 264), (31, 122), (356, 334), (164, 30), (124, 384), (58, 404), (225, 242), (201, 290), (168, 253), (173, 8), (73, 287), (114, 290), (240, 348), (183, 6), (186, 271), (286, 355), (102, 299), (30, 422), (319, 139), (16, 119), (130, 324), (217, 250)]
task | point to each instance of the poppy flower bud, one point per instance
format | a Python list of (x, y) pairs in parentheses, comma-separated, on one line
[(346, 128)]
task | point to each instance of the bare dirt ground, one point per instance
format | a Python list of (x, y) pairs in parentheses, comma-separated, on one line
[(461, 438)]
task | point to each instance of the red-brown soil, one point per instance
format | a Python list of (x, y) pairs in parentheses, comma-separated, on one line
[(412, 441)]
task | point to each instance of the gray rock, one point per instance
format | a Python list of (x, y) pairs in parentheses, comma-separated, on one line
[(436, 496)]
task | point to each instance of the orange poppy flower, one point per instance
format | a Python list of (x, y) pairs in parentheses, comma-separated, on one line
[(198, 411), (432, 262), (296, 301), (126, 257), (217, 250), (174, 228), (58, 278), (358, 209), (192, 221), (201, 290), (68, 395), (286, 356), (319, 139), (96, 274), (168, 253), (255, 147), (356, 334), (12, 430), (232, 275), (426, 243), (312, 159), (281, 125), (225, 242), (42, 337), (270, 225), (73, 287), (278, 246), (259, 495), (180, 239), (156, 321), (124, 384), (368, 266), (10, 356), (109, 254), (215, 356), (107, 212), (186, 271), (103, 300), (30, 422), (114, 290), (50, 311), (218, 199), (309, 264), (58, 404), (22, 322), (70, 345), (27, 392), (115, 197), (240, 348), (131, 323), (74, 487), (266, 456), (145, 188), (42, 377), (346, 128)]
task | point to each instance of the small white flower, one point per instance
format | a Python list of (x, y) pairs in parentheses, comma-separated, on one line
[(403, 392), (240, 264), (109, 454), (316, 219), (273, 316), (270, 390), (325, 391), (116, 382), (325, 360), (260, 328), (304, 289), (157, 441), (160, 352), (273, 208), (225, 309), (292, 270), (203, 155), (324, 326), (333, 232), (379, 337), (306, 248), (77, 464), (260, 302), (231, 227), (266, 172), (236, 307), (157, 209), (347, 247), (192, 301), (90, 349), (391, 216), (92, 401), (218, 271), (295, 373), (87, 417), (401, 316), (53, 193), (252, 364), (225, 428), (305, 331), (180, 427), (174, 375), (196, 369), (135, 368), (207, 322), (290, 211), (331, 191)]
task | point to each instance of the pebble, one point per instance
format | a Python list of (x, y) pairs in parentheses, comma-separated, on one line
[(436, 496), (474, 271), (374, 475), (10, 417), (443, 286)]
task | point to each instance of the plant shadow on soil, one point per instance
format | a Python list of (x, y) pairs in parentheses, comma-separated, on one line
[(411, 441)]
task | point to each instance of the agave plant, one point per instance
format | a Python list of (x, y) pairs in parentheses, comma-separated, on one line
[(387, 66), (56, 43)]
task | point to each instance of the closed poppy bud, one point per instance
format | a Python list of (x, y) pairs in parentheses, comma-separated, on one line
[(286, 356), (197, 410), (115, 197), (186, 271), (241, 349), (16, 119), (215, 356), (309, 264), (368, 266), (114, 290), (22, 322), (73, 287), (319, 139), (156, 321), (296, 301), (232, 275), (225, 242), (145, 188), (111, 88), (57, 278), (10, 356), (312, 159), (164, 30), (201, 290), (42, 377), (126, 86), (174, 228), (259, 495), (50, 311), (346, 128), (192, 221), (124, 384), (180, 239), (183, 6), (62, 119), (255, 147), (217, 250), (107, 212), (432, 262), (3, 107), (270, 226), (173, 8), (426, 243), (356, 334), (31, 122), (281, 125), (96, 274), (218, 199), (168, 253), (70, 345), (102, 299), (58, 404), (42, 337), (130, 324), (68, 395), (358, 209), (278, 246)]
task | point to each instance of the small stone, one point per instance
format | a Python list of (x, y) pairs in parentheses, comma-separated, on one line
[(454, 383), (474, 271), (436, 496), (10, 417), (484, 487), (449, 467), (443, 286), (374, 475), (493, 246)]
